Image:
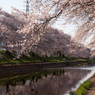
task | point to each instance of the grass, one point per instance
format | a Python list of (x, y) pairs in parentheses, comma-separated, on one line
[(7, 58), (76, 59), (82, 88)]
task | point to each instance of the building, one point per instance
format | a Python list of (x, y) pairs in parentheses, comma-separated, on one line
[(2, 46)]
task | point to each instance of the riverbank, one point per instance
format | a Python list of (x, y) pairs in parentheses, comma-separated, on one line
[(7, 70), (34, 63), (90, 87), (91, 91), (87, 88), (7, 58)]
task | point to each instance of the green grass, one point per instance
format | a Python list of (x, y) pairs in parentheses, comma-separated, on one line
[(7, 58), (76, 59), (82, 88)]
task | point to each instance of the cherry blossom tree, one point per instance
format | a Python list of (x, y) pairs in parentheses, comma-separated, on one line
[(23, 33), (53, 43), (17, 32), (80, 12), (56, 43)]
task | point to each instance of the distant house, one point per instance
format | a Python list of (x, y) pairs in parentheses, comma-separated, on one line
[(2, 46)]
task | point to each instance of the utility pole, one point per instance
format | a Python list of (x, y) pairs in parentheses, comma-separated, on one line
[(27, 7)]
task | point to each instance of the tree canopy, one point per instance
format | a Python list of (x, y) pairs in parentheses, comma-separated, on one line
[(23, 32), (80, 12)]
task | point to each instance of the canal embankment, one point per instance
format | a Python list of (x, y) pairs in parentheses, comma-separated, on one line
[(7, 70)]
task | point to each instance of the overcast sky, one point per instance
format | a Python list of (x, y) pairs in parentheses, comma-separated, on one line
[(6, 4)]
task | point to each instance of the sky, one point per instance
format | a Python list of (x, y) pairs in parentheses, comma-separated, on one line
[(20, 4), (6, 4), (68, 29)]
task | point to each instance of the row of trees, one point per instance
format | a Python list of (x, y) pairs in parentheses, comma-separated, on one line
[(20, 38), (57, 43), (23, 33)]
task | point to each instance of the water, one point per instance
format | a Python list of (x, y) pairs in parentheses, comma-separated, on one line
[(51, 82)]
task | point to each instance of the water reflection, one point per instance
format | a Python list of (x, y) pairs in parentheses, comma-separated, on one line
[(82, 68), (56, 83)]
